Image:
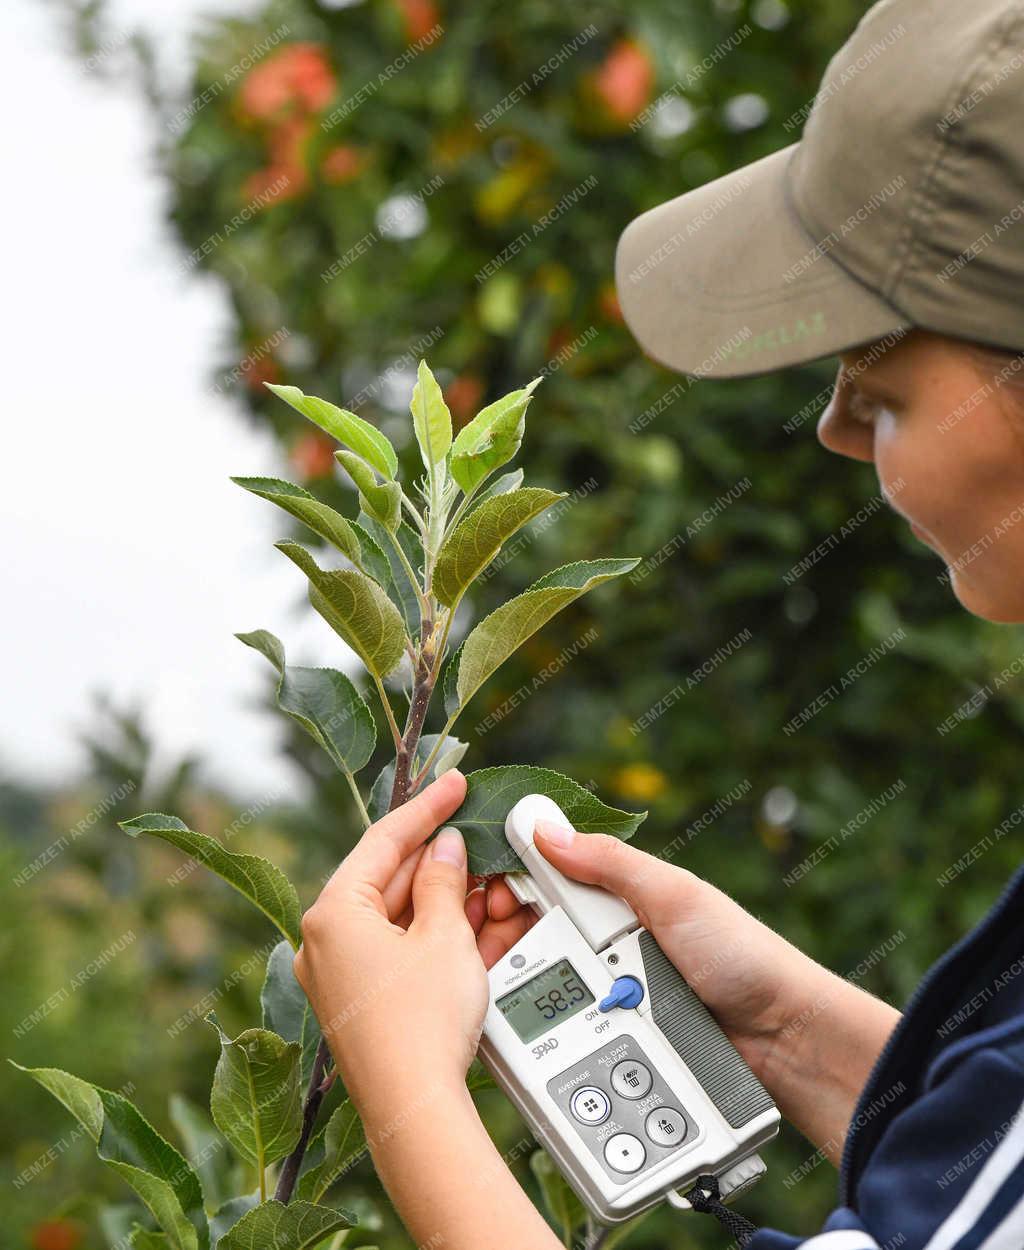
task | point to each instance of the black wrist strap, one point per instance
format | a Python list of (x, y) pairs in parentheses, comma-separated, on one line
[(706, 1198)]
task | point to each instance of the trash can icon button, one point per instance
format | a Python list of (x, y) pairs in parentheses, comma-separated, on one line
[(631, 1079), (665, 1126)]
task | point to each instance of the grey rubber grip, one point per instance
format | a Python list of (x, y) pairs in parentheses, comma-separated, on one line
[(696, 1038)]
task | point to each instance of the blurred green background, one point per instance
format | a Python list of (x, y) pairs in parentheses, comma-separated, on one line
[(426, 203)]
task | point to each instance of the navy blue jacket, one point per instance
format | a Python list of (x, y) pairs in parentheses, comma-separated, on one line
[(934, 1159)]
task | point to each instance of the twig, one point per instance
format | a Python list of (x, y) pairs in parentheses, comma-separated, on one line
[(318, 1085), (314, 1097), (417, 781), (406, 742), (422, 689)]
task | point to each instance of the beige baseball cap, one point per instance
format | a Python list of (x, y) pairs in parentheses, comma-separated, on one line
[(901, 205)]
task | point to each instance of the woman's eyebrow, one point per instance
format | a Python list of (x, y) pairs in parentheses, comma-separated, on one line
[(864, 380), (872, 374)]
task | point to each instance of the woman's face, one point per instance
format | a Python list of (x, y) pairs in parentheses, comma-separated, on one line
[(941, 432)]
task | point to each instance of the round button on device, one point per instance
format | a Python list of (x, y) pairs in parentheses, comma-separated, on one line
[(624, 1152), (590, 1105), (631, 1079), (665, 1126)]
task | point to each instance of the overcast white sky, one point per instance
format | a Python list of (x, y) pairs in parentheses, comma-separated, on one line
[(130, 559)]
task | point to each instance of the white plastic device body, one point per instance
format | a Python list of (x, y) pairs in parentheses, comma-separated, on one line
[(633, 1103)]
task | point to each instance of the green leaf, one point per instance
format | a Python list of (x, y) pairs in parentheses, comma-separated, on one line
[(382, 500), (374, 562), (449, 755), (431, 419), (324, 702), (286, 1009), (230, 1213), (364, 439), (256, 1099), (491, 439), (145, 1239), (251, 875), (479, 1078), (128, 1143), (320, 518), (477, 539), (497, 636), (450, 681), (274, 1226), (204, 1146), (81, 1098), (500, 486), (564, 1207), (380, 793), (115, 1221), (344, 1142), (400, 589), (621, 1232), (491, 793), (356, 608)]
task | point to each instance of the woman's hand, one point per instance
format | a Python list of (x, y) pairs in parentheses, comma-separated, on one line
[(394, 954), (393, 960), (810, 1036)]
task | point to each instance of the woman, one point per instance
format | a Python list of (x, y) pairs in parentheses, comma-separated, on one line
[(886, 236)]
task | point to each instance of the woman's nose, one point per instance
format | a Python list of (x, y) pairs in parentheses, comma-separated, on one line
[(839, 430)]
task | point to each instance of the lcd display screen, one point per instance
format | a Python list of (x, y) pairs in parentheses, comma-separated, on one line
[(544, 1001)]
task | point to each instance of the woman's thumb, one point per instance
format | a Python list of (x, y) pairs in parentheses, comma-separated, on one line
[(600, 859), (439, 883)]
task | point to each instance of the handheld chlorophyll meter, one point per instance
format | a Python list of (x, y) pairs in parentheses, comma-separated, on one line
[(622, 1074)]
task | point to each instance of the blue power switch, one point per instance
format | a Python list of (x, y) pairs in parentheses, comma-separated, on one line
[(626, 992)]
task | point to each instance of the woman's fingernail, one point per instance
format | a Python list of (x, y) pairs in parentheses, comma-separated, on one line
[(449, 847), (557, 835)]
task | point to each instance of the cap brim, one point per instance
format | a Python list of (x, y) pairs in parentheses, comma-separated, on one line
[(726, 282)]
